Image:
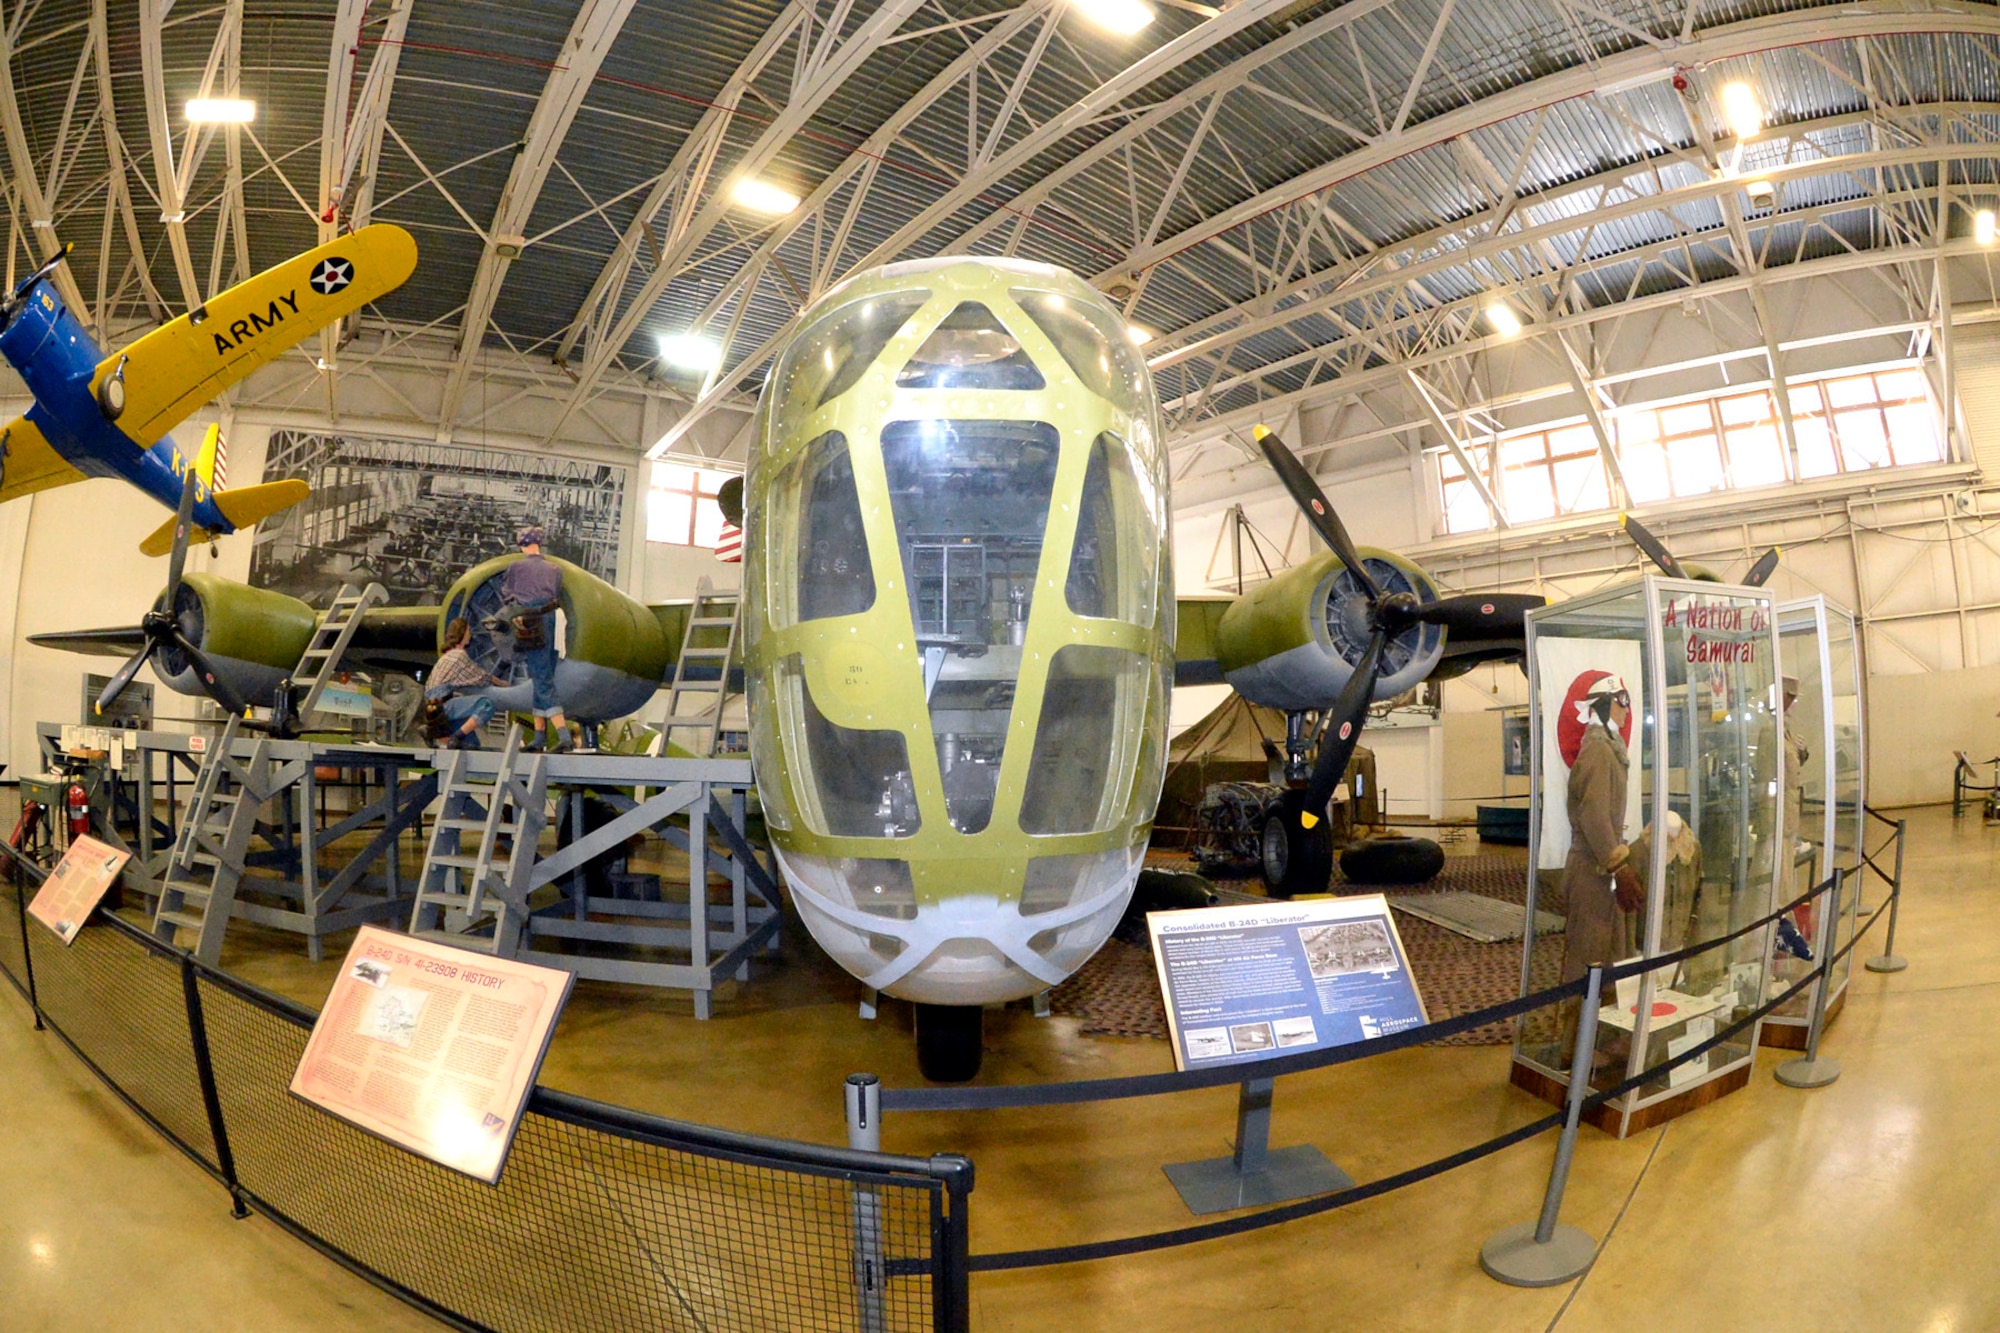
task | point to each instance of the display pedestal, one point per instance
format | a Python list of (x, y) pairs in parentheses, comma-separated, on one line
[(1620, 1124), (1255, 1174)]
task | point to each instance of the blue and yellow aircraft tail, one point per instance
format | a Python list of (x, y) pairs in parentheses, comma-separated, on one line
[(244, 507), (107, 416)]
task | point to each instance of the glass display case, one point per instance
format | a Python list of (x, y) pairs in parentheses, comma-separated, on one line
[(1654, 744), (1825, 755)]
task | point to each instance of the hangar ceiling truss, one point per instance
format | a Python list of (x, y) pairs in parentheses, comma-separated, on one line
[(1308, 203)]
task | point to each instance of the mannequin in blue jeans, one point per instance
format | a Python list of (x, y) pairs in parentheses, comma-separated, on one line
[(454, 674), (531, 589)]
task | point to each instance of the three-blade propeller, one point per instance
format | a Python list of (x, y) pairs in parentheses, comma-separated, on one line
[(1478, 616), (1656, 551), (162, 625)]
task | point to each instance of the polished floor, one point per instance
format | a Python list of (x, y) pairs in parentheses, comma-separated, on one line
[(1872, 1204)]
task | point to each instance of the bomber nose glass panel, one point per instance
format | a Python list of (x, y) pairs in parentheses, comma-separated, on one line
[(971, 501), (970, 350)]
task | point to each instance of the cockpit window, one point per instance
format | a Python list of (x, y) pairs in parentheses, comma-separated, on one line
[(1115, 561), (857, 784), (972, 349), (828, 359), (971, 502), (1088, 740), (824, 570), (1096, 346)]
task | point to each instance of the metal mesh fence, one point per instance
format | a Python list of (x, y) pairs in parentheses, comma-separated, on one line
[(117, 997), (13, 960), (587, 1229)]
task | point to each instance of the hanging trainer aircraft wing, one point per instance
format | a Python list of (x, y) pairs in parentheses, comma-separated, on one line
[(30, 464), (178, 367)]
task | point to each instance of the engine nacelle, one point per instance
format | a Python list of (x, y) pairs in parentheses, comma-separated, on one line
[(253, 636), (1293, 643)]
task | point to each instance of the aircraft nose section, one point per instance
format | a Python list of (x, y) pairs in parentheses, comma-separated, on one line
[(967, 948)]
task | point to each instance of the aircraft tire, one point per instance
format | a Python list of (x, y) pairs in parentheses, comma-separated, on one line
[(1391, 861), (951, 1041), (1296, 859)]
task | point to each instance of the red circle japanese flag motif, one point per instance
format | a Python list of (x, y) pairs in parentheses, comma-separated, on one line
[(1576, 716)]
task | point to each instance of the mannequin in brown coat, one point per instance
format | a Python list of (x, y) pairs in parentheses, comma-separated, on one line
[(1596, 874)]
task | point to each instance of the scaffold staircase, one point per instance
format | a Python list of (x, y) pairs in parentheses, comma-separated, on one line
[(329, 642), (477, 898), (700, 688), (206, 867)]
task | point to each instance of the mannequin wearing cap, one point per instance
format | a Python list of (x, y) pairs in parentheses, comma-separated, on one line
[(1597, 849), (532, 588), (1792, 831)]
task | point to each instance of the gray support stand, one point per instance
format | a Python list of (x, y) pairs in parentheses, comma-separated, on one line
[(1255, 1173), (864, 1134), (1546, 1252), (1813, 1070), (1890, 960)]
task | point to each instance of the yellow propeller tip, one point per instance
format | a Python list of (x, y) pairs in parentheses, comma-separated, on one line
[(1259, 432), (1307, 819)]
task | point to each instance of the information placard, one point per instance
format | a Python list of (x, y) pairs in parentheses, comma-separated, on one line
[(1248, 983), (432, 1047), (78, 883)]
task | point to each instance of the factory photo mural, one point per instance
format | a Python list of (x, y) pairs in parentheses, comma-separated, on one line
[(413, 515)]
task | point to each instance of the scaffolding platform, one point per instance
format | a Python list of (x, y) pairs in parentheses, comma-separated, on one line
[(557, 904)]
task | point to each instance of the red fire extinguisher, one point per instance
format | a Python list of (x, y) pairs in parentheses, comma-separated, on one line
[(78, 803)]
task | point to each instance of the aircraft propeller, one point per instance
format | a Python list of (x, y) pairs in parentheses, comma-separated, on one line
[(1656, 551), (1478, 616), (163, 627), (19, 296)]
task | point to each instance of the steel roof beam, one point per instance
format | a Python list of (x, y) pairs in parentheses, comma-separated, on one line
[(695, 217), (590, 37), (38, 205)]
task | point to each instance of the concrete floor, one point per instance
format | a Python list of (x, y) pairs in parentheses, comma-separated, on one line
[(1870, 1204)]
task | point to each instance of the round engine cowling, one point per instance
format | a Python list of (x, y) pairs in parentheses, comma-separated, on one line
[(1292, 643), (253, 636)]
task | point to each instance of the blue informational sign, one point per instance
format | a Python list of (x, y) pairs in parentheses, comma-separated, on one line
[(1248, 983)]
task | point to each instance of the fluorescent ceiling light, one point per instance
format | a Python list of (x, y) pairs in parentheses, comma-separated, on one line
[(220, 111), (691, 351), (1982, 226), (1503, 319), (1139, 334), (1740, 109), (1123, 17), (764, 197)]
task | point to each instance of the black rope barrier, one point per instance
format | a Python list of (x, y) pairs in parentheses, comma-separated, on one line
[(1321, 1203), (1014, 1096)]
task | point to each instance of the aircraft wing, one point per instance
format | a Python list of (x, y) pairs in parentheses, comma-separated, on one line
[(31, 464), (121, 642), (1194, 643), (178, 367)]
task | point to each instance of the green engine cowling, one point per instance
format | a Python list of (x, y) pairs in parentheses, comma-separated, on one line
[(614, 650), (1292, 643), (253, 636)]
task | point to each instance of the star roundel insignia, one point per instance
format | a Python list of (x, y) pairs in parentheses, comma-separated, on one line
[(330, 275)]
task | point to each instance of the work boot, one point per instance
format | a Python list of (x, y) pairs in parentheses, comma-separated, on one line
[(558, 740), (532, 744), (466, 740)]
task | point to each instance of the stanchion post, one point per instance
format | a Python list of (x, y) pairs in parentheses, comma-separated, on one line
[(1890, 960), (864, 1134), (1810, 1071), (1546, 1252), (951, 1283)]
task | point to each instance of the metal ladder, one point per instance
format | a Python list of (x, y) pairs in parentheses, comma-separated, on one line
[(478, 900), (699, 647), (202, 876), (329, 641)]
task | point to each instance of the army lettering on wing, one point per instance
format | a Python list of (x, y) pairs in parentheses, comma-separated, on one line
[(242, 330)]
